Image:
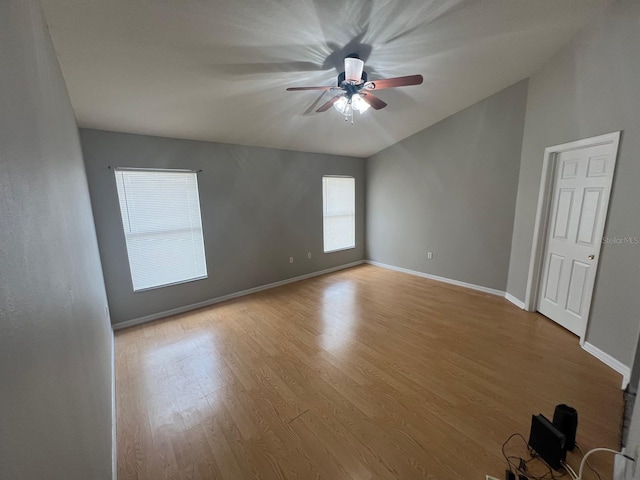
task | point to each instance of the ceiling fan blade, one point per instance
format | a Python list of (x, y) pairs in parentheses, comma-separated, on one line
[(329, 104), (394, 82), (296, 89), (372, 100), (353, 69)]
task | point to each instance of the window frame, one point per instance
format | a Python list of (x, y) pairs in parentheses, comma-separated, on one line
[(325, 216), (116, 170)]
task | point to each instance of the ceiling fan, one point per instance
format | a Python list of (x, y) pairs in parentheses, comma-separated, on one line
[(357, 90)]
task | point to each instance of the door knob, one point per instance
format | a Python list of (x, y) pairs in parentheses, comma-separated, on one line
[(591, 257)]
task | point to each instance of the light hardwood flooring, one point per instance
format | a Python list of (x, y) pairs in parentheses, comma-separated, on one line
[(361, 374)]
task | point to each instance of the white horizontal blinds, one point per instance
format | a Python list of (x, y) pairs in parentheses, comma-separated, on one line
[(339, 213), (162, 226)]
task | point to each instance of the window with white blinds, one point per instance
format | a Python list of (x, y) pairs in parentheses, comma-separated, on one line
[(162, 226), (339, 213)]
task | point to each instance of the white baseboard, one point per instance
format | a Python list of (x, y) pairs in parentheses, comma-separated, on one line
[(607, 359), (514, 300), (224, 298), (114, 444), (458, 283)]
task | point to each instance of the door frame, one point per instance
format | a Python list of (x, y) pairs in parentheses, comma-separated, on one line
[(543, 213)]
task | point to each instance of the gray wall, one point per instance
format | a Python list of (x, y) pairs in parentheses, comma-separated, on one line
[(450, 189), (259, 207), (55, 337), (624, 469), (591, 87)]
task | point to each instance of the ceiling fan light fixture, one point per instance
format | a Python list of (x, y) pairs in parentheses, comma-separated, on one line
[(356, 89)]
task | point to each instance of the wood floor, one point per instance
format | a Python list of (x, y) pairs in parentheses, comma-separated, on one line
[(362, 374)]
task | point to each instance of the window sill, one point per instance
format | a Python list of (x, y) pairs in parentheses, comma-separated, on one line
[(340, 249)]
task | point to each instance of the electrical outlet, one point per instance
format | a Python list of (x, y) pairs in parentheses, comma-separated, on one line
[(290, 259), (489, 477), (429, 255), (308, 254), (636, 455)]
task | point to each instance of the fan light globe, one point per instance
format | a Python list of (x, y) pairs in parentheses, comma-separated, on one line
[(341, 104), (359, 104)]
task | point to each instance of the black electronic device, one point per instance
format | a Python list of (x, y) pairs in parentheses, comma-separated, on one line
[(565, 419), (547, 441)]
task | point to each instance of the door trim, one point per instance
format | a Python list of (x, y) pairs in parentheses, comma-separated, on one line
[(544, 206)]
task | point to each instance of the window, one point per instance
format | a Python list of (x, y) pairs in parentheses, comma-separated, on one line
[(339, 213), (162, 226)]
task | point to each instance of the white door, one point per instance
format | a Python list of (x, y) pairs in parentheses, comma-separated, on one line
[(581, 186)]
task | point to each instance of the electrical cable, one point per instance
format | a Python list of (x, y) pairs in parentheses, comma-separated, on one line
[(588, 464), (594, 450), (521, 467), (571, 471)]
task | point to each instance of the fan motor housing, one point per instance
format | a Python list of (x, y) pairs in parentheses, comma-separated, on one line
[(342, 77)]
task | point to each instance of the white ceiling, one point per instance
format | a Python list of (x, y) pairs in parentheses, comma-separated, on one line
[(217, 69)]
